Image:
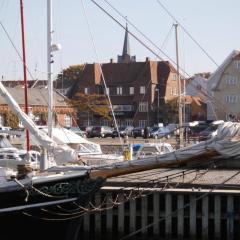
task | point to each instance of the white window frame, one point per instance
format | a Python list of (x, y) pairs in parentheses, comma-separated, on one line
[(86, 90), (231, 80), (143, 106), (142, 123), (131, 90), (174, 77), (231, 98), (119, 91), (67, 120), (237, 64), (142, 89), (128, 122)]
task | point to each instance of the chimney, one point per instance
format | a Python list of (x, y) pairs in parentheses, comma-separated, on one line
[(147, 59), (111, 60)]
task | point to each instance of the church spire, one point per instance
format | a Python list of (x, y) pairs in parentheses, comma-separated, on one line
[(126, 45), (126, 56)]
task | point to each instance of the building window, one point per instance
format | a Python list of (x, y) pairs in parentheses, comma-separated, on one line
[(119, 90), (142, 90), (142, 123), (231, 80), (231, 98), (237, 64), (87, 90), (174, 76), (128, 122), (67, 120), (143, 106), (175, 91), (131, 90)]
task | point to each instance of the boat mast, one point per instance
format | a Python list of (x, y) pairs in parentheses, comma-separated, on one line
[(179, 91), (24, 72), (49, 67)]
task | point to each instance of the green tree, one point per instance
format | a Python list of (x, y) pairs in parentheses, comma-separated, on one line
[(69, 75), (12, 120), (169, 111), (93, 103)]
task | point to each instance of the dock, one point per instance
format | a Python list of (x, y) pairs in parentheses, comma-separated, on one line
[(178, 203)]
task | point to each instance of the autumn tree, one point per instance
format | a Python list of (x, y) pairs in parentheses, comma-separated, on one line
[(94, 103)]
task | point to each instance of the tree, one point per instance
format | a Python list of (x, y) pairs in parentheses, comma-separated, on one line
[(69, 75), (94, 103), (169, 111)]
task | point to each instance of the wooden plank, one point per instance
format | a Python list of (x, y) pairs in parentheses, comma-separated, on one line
[(86, 222), (121, 214), (156, 213), (168, 215), (109, 213), (180, 216), (97, 214), (217, 217), (132, 215), (144, 213), (230, 217), (205, 217), (193, 216)]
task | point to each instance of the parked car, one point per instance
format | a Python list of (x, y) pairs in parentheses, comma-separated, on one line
[(101, 131), (123, 131), (78, 131), (137, 132), (159, 132)]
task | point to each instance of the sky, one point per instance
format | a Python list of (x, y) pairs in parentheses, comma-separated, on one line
[(79, 26)]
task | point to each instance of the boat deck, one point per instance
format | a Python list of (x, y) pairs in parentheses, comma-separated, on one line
[(180, 178)]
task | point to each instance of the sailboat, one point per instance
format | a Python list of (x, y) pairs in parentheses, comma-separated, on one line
[(25, 189)]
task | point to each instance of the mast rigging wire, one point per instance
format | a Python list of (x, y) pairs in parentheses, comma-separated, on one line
[(103, 77), (187, 32), (220, 103)]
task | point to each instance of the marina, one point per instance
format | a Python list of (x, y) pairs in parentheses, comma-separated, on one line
[(126, 149)]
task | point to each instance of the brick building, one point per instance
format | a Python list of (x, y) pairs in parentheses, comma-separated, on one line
[(38, 107), (138, 90)]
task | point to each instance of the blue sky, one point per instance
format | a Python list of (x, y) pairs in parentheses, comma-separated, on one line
[(214, 24)]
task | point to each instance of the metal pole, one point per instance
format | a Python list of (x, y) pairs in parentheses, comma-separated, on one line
[(24, 72), (49, 67), (158, 107), (179, 91)]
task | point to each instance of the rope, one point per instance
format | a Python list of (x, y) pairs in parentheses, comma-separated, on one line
[(24, 188)]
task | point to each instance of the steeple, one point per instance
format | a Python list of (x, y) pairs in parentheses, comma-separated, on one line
[(126, 56)]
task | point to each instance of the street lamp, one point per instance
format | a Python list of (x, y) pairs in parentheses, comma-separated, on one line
[(157, 90)]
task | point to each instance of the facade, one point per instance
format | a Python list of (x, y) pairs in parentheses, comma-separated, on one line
[(224, 87), (137, 90), (38, 108)]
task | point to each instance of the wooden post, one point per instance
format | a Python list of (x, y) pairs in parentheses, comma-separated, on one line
[(121, 215), (144, 213), (168, 214), (98, 214), (180, 216), (86, 222), (230, 217), (192, 216), (205, 217), (156, 213), (109, 213), (132, 215), (217, 217)]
